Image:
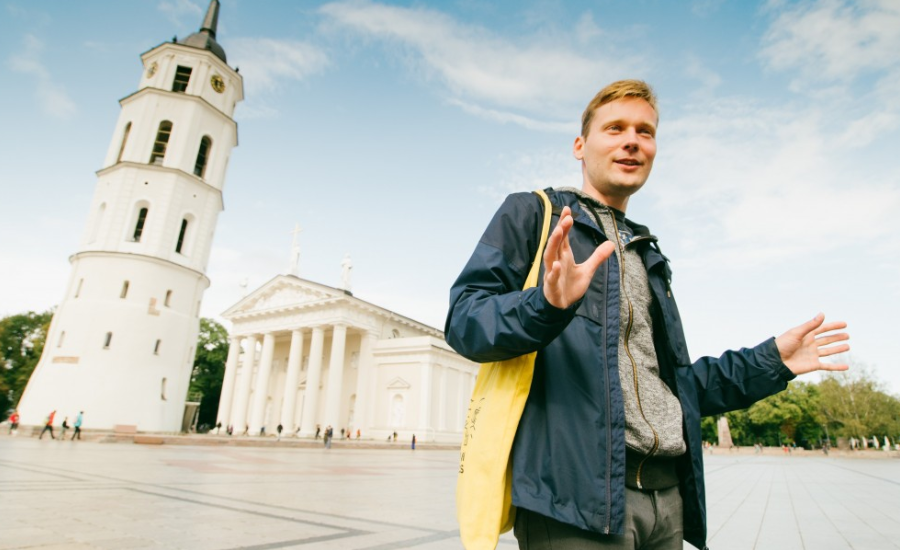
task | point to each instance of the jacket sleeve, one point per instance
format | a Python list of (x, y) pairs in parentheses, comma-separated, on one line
[(739, 378), (490, 317)]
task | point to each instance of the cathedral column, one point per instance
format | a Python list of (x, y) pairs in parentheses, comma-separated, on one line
[(336, 377), (442, 398), (425, 399), (227, 395), (462, 400), (289, 403), (242, 396), (313, 379), (261, 392), (363, 376)]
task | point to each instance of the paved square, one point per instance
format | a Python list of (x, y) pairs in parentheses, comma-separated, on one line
[(89, 495)]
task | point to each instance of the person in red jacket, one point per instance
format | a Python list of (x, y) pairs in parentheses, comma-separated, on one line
[(13, 421), (48, 426)]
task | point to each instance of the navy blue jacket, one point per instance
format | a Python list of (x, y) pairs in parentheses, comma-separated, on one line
[(569, 451)]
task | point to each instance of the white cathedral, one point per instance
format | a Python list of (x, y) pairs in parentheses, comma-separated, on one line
[(122, 342), (316, 356)]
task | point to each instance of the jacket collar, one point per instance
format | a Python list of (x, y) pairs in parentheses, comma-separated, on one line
[(569, 196)]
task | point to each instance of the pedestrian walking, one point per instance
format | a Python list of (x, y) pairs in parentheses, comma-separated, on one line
[(48, 426), (14, 423), (78, 420)]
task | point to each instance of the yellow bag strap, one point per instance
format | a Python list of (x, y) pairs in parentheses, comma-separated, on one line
[(531, 281)]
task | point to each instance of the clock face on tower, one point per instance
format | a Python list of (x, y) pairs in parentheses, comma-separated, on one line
[(217, 83)]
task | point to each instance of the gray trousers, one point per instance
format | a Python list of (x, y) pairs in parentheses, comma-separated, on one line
[(653, 521)]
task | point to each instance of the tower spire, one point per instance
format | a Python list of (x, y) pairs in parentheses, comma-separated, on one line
[(205, 38), (211, 21)]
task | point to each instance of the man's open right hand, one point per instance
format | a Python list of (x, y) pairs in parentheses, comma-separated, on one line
[(565, 282)]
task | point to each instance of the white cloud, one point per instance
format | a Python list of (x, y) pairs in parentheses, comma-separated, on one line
[(533, 74), (179, 11), (524, 121), (708, 79), (536, 170), (770, 183), (835, 40), (53, 98), (266, 62)]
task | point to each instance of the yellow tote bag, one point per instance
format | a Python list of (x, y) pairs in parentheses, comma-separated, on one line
[(484, 485)]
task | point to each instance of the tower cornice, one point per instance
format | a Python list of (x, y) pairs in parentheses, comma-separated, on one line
[(180, 95), (158, 168), (144, 257)]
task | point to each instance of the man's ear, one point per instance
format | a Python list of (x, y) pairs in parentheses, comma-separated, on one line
[(578, 148)]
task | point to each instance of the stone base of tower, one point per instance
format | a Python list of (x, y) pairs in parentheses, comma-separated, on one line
[(120, 347)]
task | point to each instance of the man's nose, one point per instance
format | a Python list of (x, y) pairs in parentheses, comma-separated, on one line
[(631, 140)]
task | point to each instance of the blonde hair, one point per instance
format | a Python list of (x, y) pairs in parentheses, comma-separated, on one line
[(617, 90)]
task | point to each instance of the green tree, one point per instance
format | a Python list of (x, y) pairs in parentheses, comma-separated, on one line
[(209, 369), (22, 339), (854, 405), (788, 416)]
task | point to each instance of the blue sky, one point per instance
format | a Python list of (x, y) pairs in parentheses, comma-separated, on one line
[(391, 131)]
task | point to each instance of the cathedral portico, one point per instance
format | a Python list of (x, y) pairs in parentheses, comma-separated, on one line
[(329, 358)]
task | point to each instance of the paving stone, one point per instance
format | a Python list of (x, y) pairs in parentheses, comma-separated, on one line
[(219, 497)]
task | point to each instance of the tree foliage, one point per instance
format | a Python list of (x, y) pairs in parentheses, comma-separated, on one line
[(854, 405), (846, 404), (209, 369), (22, 340)]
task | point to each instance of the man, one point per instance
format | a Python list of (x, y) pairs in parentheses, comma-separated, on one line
[(48, 426), (78, 421), (608, 453)]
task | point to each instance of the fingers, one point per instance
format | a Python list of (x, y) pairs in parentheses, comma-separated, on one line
[(834, 350), (830, 367), (811, 325), (600, 255), (832, 338), (557, 243), (834, 325)]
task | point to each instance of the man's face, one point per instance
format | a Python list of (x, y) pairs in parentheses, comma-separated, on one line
[(618, 152)]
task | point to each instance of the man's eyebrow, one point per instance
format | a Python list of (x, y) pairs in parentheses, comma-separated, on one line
[(623, 122)]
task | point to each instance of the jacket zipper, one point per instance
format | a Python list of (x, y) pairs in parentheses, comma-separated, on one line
[(628, 327), (606, 528)]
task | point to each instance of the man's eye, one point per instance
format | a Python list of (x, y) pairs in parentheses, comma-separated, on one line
[(614, 128)]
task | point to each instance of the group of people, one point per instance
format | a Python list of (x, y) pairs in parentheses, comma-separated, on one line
[(48, 425)]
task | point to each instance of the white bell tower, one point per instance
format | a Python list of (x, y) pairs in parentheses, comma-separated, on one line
[(122, 341)]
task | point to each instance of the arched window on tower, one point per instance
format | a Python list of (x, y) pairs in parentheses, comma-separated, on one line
[(124, 293), (156, 347), (162, 141), (62, 338), (107, 341), (162, 390), (202, 156), (179, 246), (168, 302), (139, 224), (124, 140)]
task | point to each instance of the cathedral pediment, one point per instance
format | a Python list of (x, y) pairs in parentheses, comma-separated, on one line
[(281, 293)]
